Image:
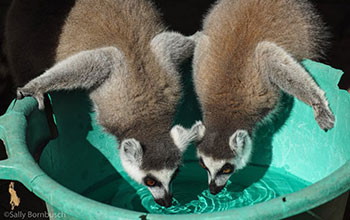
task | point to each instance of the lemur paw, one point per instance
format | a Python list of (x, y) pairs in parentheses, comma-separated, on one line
[(324, 116), (31, 91)]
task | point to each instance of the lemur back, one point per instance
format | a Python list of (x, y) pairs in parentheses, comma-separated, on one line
[(229, 82), (129, 26)]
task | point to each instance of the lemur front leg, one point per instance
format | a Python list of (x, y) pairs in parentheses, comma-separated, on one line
[(280, 69), (86, 70)]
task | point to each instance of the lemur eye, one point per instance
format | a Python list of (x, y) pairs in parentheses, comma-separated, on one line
[(227, 171), (150, 182), (202, 164), (175, 174)]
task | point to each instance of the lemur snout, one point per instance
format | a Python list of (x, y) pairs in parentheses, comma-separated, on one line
[(214, 189), (166, 201)]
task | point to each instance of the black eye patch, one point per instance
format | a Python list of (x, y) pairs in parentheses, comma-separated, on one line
[(226, 169), (175, 174), (151, 181), (203, 165)]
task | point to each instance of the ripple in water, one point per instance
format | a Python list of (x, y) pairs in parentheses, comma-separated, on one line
[(207, 202), (238, 192)]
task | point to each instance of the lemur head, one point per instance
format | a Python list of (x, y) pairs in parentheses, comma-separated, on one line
[(221, 155), (155, 165)]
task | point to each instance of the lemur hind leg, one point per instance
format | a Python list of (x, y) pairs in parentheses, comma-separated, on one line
[(280, 69), (86, 70)]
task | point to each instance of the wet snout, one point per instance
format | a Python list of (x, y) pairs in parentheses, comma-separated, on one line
[(214, 189), (164, 201)]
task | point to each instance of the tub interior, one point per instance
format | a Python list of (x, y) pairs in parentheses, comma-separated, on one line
[(290, 153)]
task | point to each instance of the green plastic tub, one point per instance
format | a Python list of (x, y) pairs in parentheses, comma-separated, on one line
[(296, 167)]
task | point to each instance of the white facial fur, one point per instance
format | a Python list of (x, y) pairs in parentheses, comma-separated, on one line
[(164, 176), (214, 166), (241, 144), (131, 159)]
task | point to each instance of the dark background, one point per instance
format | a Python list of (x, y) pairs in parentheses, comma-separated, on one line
[(185, 16)]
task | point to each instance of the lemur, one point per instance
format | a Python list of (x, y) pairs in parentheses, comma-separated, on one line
[(247, 54), (121, 53)]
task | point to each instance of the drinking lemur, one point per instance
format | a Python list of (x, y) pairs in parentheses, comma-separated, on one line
[(247, 54), (121, 53)]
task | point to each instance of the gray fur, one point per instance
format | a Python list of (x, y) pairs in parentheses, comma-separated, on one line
[(280, 69), (247, 53), (86, 70), (172, 49), (117, 50)]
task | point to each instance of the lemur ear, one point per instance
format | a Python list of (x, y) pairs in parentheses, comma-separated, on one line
[(182, 137), (198, 129), (131, 150), (241, 145), (179, 135), (172, 48)]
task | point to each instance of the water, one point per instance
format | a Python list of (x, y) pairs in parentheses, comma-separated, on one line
[(190, 190)]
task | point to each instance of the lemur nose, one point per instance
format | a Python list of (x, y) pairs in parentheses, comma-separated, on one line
[(166, 201), (214, 189)]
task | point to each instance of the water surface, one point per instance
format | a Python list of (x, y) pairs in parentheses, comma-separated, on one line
[(191, 193)]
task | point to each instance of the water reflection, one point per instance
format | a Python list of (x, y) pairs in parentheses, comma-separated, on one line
[(272, 185)]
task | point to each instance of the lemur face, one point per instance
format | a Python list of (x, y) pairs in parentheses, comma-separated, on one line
[(219, 171), (157, 181), (220, 165)]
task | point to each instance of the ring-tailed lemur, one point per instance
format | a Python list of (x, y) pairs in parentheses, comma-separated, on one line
[(247, 53), (120, 52)]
